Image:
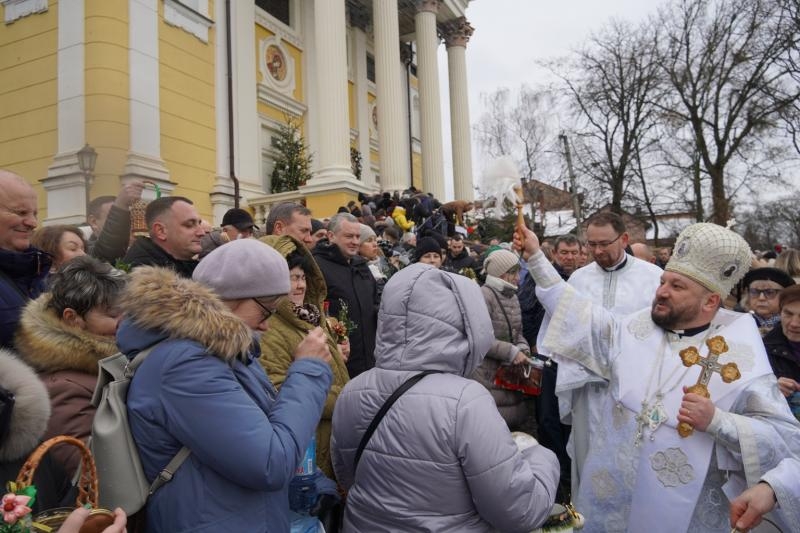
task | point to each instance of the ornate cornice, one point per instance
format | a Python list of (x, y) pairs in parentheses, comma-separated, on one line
[(358, 16), (431, 6), (456, 32)]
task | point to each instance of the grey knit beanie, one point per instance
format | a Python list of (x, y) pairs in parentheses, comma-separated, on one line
[(245, 268), (499, 262)]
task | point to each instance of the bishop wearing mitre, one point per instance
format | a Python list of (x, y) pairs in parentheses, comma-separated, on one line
[(637, 473)]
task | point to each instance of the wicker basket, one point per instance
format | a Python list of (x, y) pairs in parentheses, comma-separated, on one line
[(52, 519)]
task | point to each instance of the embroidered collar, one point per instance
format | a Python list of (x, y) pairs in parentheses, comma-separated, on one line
[(618, 266)]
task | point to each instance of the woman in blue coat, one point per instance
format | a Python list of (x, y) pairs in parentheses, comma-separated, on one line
[(202, 387)]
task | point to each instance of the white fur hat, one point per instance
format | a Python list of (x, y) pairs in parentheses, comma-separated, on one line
[(713, 256)]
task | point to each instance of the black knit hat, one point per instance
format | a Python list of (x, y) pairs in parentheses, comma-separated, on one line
[(769, 274), (316, 225), (239, 219), (426, 245)]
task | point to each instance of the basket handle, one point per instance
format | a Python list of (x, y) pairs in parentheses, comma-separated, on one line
[(87, 484)]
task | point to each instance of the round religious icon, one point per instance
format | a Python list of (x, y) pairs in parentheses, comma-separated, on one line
[(276, 63)]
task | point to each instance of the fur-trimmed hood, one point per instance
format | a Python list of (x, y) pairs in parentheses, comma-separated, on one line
[(160, 301), (49, 344), (31, 407), (316, 290)]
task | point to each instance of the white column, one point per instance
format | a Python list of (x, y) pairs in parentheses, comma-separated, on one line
[(392, 128), (358, 60), (247, 135), (65, 184), (430, 107), (456, 38), (144, 156), (332, 103)]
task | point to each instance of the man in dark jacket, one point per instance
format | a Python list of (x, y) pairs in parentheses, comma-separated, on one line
[(458, 257), (175, 236), (22, 267), (110, 220), (351, 283)]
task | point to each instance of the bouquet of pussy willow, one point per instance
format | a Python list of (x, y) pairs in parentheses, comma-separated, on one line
[(341, 325), (15, 514)]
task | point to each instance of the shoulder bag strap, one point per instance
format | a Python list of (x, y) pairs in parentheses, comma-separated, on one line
[(410, 382), (505, 315), (165, 476)]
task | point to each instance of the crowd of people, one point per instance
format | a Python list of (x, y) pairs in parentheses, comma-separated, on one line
[(374, 337)]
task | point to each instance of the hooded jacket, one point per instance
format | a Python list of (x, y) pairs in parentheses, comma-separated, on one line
[(287, 330), (352, 282), (442, 459), (29, 414), (22, 277), (202, 388), (66, 359)]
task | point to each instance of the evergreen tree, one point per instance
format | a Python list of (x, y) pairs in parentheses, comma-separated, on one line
[(292, 166)]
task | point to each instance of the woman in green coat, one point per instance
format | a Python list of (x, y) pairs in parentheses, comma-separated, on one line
[(298, 314)]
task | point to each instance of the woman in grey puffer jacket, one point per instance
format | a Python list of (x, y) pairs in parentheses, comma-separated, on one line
[(442, 459), (509, 347)]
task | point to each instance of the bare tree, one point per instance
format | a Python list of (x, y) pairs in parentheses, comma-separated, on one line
[(517, 125), (774, 222), (612, 83), (728, 64)]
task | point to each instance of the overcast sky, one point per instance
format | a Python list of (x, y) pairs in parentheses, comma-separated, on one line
[(511, 36)]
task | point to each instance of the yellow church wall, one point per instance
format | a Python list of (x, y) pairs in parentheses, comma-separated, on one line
[(351, 103), (28, 97), (325, 205), (188, 122)]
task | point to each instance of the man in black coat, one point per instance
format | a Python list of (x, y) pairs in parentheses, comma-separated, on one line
[(175, 236), (350, 282)]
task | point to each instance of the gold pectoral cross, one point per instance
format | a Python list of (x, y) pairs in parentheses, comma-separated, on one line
[(728, 372)]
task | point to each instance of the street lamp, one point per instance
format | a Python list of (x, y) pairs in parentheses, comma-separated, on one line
[(87, 157)]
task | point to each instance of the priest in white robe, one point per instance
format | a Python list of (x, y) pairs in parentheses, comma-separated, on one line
[(620, 283), (638, 473)]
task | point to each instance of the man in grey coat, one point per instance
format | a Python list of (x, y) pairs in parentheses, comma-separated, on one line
[(442, 459)]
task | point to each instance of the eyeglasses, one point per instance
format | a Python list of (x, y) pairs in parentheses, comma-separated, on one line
[(266, 310), (296, 278), (602, 244), (769, 294)]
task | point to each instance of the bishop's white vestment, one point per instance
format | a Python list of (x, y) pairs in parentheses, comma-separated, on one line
[(785, 482), (637, 477), (623, 289)]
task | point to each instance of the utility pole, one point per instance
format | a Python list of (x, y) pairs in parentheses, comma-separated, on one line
[(576, 204)]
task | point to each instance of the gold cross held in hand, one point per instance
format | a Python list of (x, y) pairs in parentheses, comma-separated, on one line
[(728, 372)]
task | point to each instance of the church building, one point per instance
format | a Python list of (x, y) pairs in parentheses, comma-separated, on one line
[(190, 95)]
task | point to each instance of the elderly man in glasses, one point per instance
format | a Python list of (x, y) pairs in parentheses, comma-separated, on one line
[(620, 283), (22, 267)]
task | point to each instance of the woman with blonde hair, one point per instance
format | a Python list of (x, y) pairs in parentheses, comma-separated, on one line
[(789, 262)]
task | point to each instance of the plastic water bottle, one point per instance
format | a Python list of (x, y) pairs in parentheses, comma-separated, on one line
[(302, 489)]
